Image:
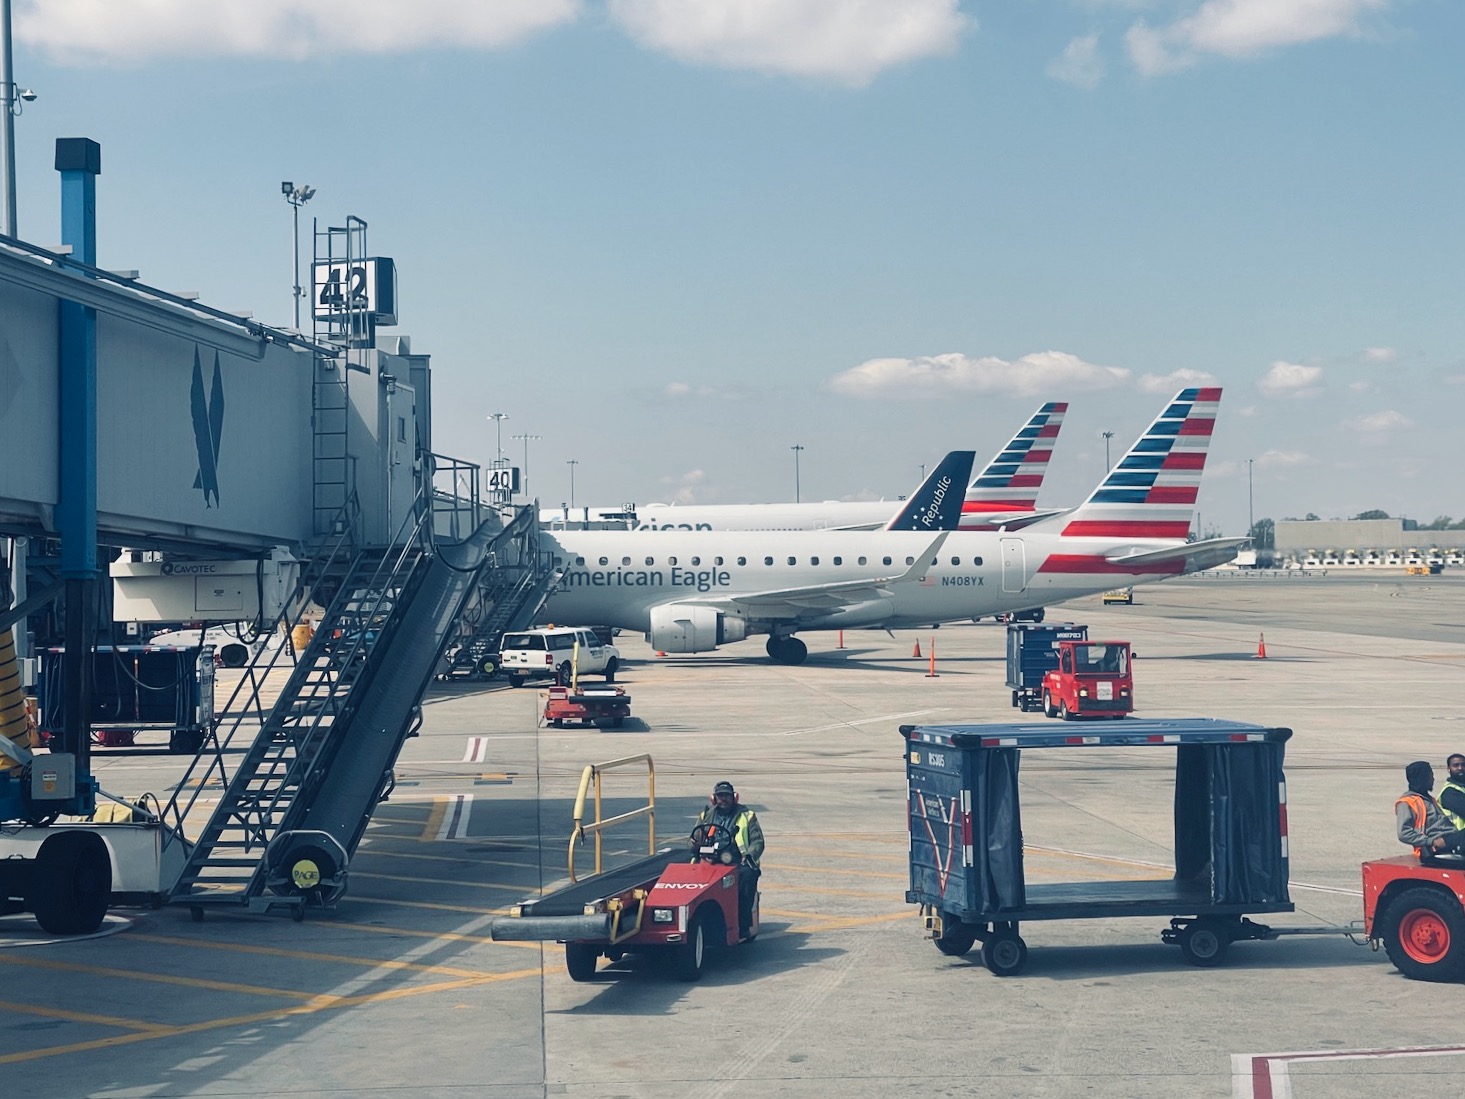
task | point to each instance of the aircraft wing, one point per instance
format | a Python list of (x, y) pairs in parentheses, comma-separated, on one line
[(791, 602), (1195, 555)]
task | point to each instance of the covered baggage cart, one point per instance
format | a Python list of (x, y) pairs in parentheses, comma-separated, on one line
[(966, 839)]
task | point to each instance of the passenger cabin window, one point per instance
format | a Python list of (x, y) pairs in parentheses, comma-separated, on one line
[(670, 561), (839, 560), (977, 561), (717, 560), (625, 561), (910, 560), (793, 560), (605, 560), (695, 562), (579, 561), (650, 561), (768, 560), (742, 560), (862, 559), (813, 560), (885, 560), (954, 561)]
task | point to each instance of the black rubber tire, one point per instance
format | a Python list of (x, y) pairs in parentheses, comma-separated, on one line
[(1204, 943), (517, 680), (1005, 954), (1424, 934), (1063, 714), (1016, 702), (1049, 709), (71, 884), (488, 667), (185, 742), (788, 651), (955, 940), (563, 674), (580, 961), (610, 670), (689, 958)]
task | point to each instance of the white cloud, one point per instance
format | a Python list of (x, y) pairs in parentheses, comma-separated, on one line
[(690, 488), (1175, 380), (1239, 29), (677, 391), (1079, 64), (1379, 423), (850, 41), (938, 375), (1278, 459), (1379, 354), (90, 31), (1291, 380), (1361, 387)]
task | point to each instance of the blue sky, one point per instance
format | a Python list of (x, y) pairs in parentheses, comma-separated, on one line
[(676, 237)]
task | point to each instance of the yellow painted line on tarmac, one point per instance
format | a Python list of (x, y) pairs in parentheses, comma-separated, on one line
[(156, 978), (443, 881), (81, 1017), (435, 817), (317, 1005), (309, 956)]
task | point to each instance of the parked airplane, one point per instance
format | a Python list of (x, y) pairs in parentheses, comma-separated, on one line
[(692, 591), (1006, 489)]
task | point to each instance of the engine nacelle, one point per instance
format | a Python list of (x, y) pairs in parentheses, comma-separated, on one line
[(690, 628)]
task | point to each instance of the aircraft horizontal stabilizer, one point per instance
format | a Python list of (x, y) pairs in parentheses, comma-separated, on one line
[(1195, 555)]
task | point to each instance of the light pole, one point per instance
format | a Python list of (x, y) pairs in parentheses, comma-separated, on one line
[(498, 454), (1250, 522), (796, 449), (526, 437), (12, 98), (1107, 436), (296, 197), (572, 463)]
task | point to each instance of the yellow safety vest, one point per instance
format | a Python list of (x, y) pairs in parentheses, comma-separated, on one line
[(1455, 819)]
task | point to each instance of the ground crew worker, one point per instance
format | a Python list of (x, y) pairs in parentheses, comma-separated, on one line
[(1452, 793), (725, 811), (1421, 822)]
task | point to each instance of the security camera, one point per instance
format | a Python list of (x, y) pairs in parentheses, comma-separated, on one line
[(28, 95)]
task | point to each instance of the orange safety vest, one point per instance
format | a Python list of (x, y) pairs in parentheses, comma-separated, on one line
[(1416, 803)]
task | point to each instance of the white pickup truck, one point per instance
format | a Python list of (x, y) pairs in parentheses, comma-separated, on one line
[(556, 652)]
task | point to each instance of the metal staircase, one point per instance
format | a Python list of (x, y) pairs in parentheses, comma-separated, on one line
[(292, 742), (509, 596)]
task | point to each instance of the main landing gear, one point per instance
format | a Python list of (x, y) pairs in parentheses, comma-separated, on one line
[(786, 649)]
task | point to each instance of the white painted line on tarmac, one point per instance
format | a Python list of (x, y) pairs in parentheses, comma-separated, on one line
[(455, 820), (1269, 1075), (477, 750)]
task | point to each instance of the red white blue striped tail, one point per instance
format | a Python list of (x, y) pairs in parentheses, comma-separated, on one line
[(1011, 481), (1151, 493)]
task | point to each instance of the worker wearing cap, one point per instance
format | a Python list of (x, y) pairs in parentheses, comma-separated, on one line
[(725, 811), (1452, 793), (1421, 822)]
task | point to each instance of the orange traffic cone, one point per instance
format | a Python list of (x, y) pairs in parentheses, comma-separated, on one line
[(932, 673), (660, 653), (841, 640), (917, 654), (1261, 646)]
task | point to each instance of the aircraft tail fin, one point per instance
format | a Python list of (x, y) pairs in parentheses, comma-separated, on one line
[(1010, 483), (936, 505), (1151, 493)]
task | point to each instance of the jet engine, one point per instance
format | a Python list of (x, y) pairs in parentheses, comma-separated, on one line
[(690, 628)]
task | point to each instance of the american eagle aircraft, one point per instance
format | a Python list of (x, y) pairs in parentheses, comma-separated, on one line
[(1006, 489), (693, 591)]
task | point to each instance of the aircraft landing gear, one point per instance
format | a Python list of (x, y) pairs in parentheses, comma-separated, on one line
[(787, 649)]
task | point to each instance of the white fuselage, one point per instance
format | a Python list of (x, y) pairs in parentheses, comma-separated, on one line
[(615, 577), (819, 515)]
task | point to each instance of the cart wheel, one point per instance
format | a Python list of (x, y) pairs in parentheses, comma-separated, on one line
[(1049, 709), (1424, 934), (297, 913), (580, 961), (690, 955), (1015, 702), (1204, 942), (1005, 953), (955, 941), (488, 667)]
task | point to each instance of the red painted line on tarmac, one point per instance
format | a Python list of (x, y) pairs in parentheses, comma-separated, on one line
[(1271, 1077)]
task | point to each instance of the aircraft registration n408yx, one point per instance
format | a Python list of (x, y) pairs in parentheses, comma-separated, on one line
[(693, 591)]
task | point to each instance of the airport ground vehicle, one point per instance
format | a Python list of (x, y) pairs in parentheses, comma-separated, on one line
[(559, 652), (677, 903), (966, 837), (1092, 679), (1417, 911), (1118, 595), (599, 706), (1032, 652)]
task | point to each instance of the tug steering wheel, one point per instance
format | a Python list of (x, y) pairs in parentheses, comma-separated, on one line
[(714, 843)]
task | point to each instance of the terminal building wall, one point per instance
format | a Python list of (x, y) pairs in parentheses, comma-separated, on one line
[(1296, 537)]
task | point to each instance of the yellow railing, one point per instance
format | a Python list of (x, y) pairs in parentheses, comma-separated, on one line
[(592, 773)]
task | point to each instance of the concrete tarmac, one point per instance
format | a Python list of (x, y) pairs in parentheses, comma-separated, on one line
[(401, 992)]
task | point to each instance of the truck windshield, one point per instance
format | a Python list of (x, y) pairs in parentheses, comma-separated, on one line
[(1099, 659), (523, 641)]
